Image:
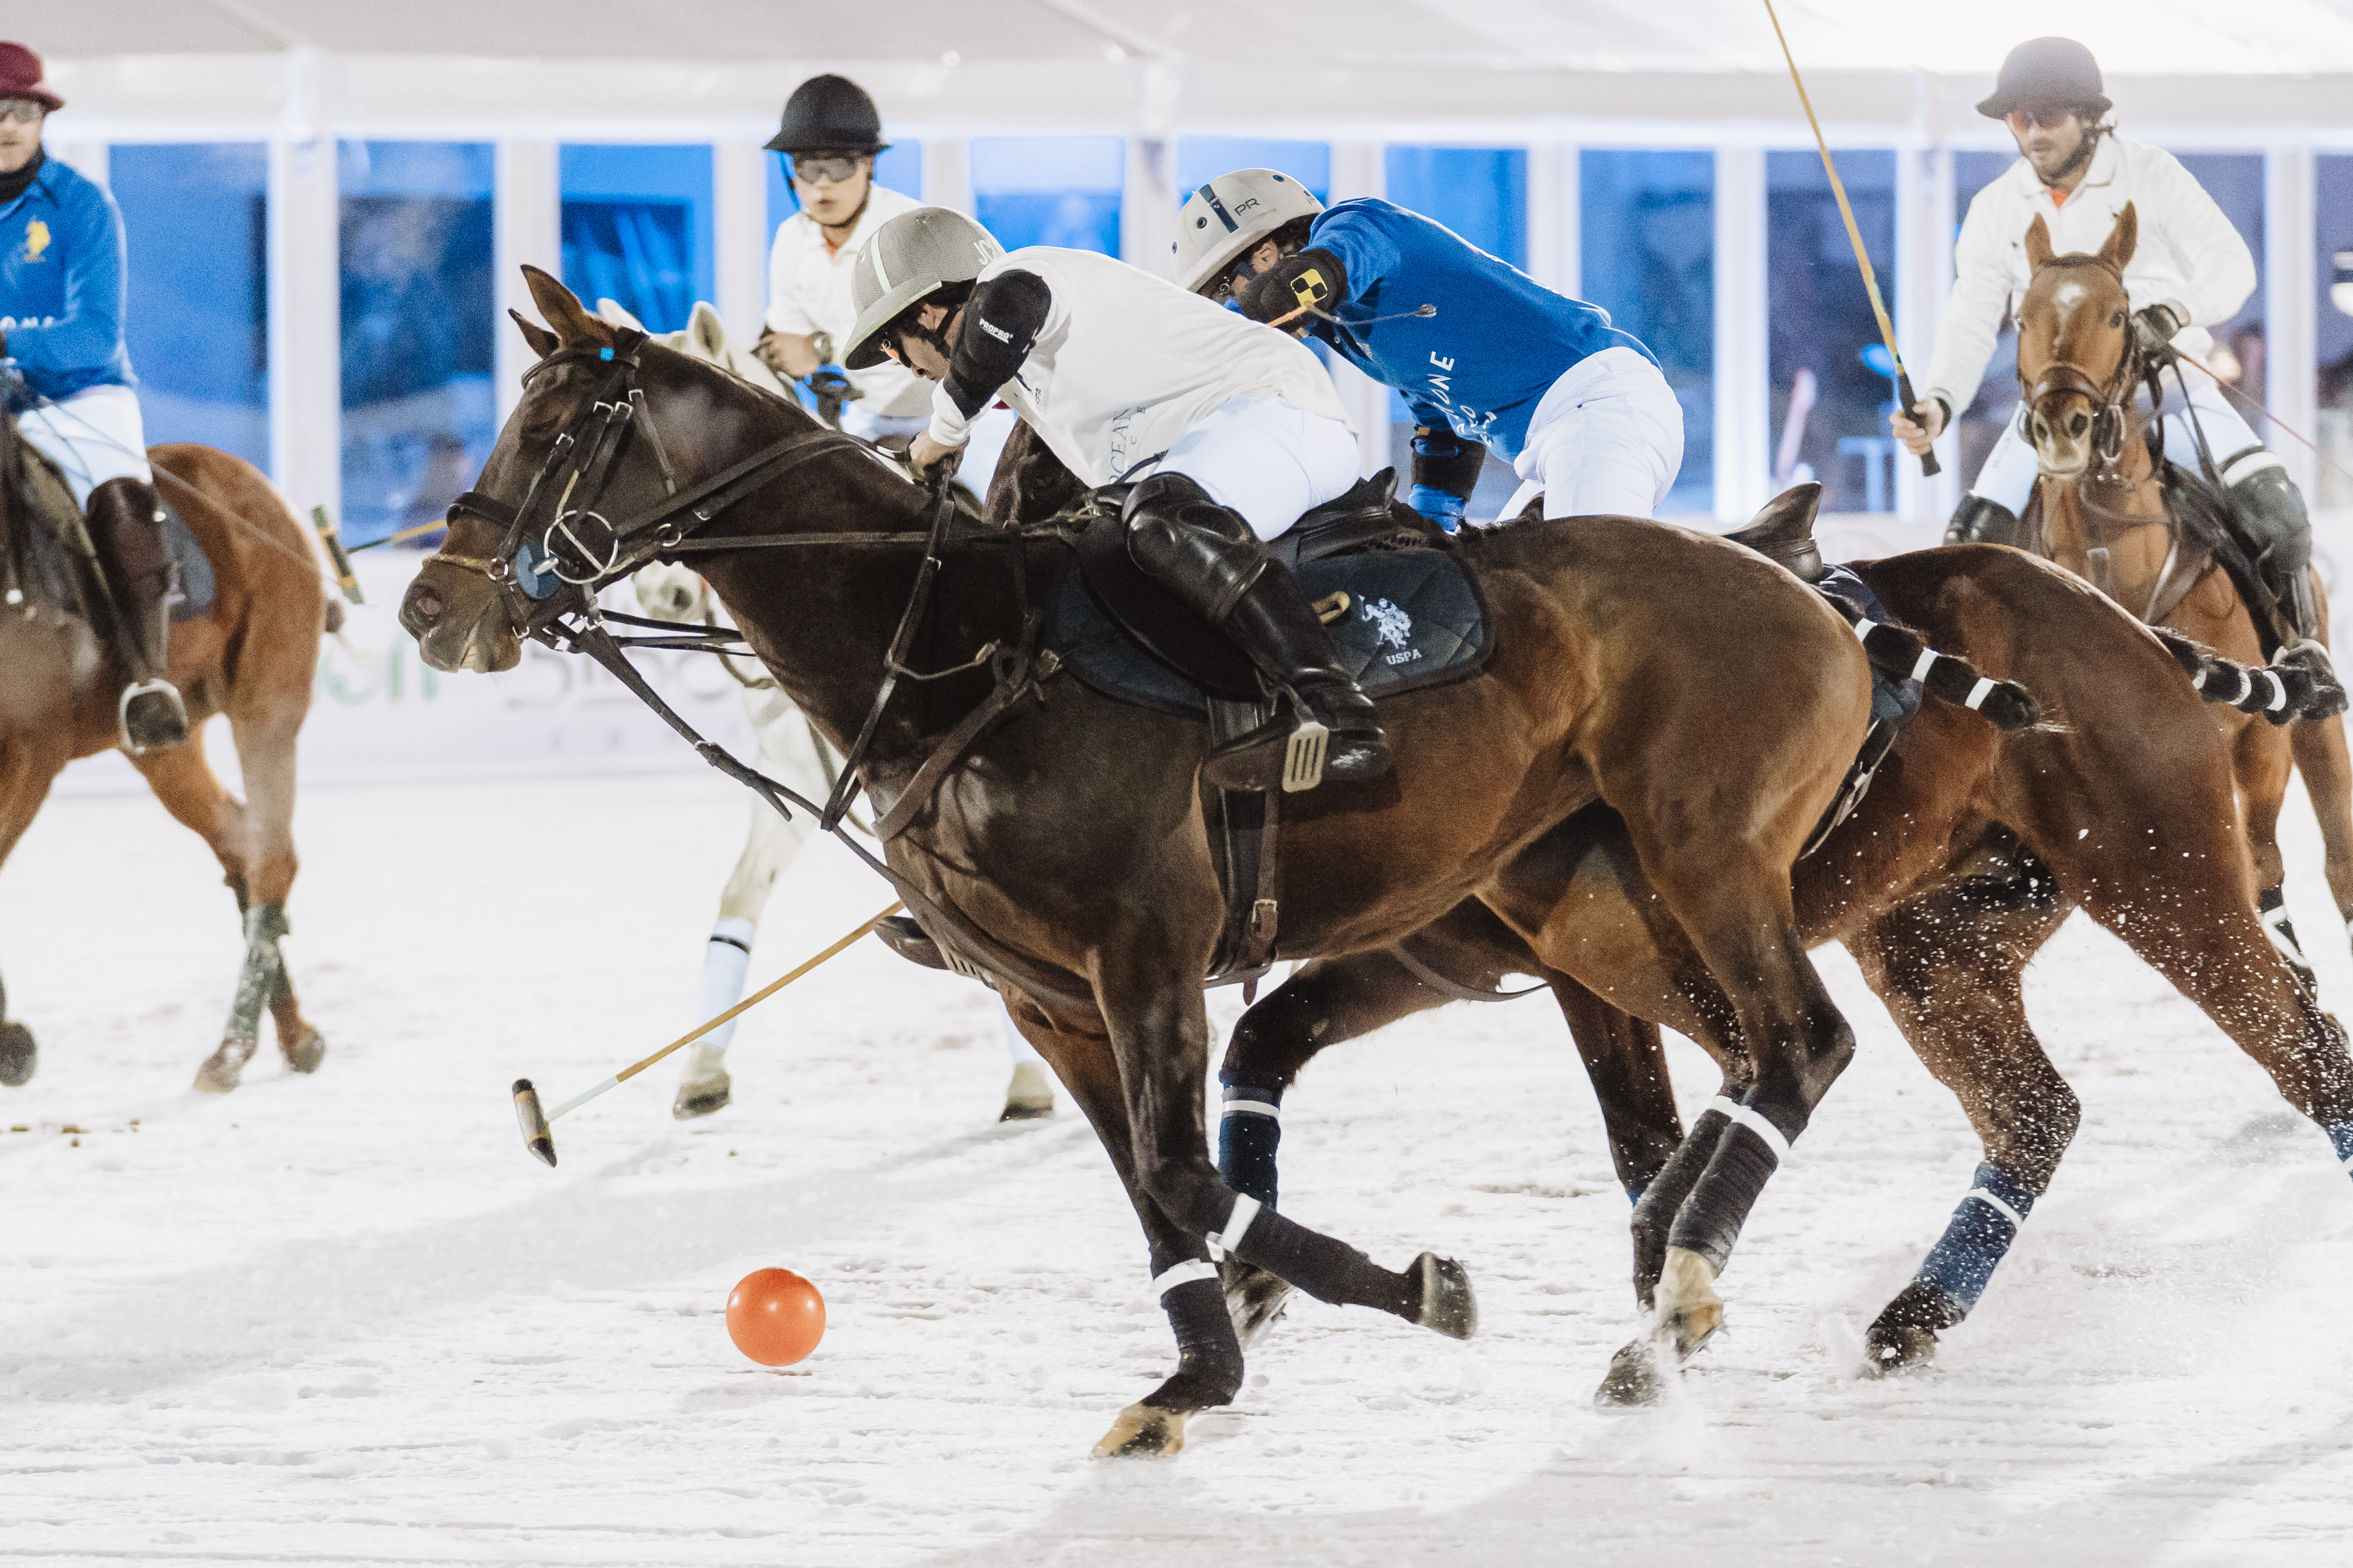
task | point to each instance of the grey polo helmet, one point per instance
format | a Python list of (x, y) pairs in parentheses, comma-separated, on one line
[(914, 254), (1228, 218)]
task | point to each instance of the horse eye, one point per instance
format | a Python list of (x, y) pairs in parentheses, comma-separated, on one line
[(2117, 320)]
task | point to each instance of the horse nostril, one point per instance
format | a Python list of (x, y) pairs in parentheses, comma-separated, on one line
[(2077, 426)]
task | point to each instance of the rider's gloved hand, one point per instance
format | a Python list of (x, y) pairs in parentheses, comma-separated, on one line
[(830, 381), (2153, 329), (1441, 507), (1445, 471)]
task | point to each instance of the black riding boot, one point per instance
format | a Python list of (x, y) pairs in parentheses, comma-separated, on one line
[(126, 527), (1978, 520), (1207, 557), (2278, 537)]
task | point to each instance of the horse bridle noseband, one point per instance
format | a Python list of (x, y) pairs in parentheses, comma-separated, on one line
[(582, 559)]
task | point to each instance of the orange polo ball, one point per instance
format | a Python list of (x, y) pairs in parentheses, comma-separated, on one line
[(776, 1317)]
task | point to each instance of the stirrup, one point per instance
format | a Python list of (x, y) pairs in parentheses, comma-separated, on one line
[(150, 737), (1277, 752)]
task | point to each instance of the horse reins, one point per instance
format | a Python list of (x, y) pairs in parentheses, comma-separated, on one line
[(568, 613)]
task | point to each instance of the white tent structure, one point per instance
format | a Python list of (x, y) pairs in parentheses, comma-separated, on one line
[(2269, 76)]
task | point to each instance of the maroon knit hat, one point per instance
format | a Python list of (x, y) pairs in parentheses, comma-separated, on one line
[(20, 77)]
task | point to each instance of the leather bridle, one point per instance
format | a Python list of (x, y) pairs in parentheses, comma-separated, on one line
[(2108, 396)]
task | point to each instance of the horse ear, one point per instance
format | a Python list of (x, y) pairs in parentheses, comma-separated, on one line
[(617, 314), (2038, 243), (2118, 250), (542, 342), (707, 332), (561, 307)]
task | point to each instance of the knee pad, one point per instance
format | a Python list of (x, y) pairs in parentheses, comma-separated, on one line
[(1177, 535)]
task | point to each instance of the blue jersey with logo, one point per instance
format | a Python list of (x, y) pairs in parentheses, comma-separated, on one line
[(1492, 342), (61, 284)]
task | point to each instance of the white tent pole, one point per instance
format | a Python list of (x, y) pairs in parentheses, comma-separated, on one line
[(1554, 258), (1940, 223), (1147, 206), (1361, 169), (1743, 392), (306, 391), (740, 233), (1915, 278), (526, 226), (947, 174)]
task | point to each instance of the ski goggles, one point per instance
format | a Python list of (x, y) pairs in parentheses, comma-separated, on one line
[(824, 168), (24, 110), (2021, 120)]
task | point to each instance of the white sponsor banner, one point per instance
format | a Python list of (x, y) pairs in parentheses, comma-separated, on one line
[(378, 714)]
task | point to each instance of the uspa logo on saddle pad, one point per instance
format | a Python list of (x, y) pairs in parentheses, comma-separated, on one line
[(1393, 627)]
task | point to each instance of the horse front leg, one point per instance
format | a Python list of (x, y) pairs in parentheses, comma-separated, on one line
[(27, 771), (1159, 1031)]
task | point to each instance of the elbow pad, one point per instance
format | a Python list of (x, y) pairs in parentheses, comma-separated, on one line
[(1001, 322), (1285, 293)]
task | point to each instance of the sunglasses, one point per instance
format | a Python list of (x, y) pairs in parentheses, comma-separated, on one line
[(823, 168), (2021, 120), (23, 110)]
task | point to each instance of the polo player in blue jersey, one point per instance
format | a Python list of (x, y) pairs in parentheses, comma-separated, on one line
[(68, 382), (1484, 356)]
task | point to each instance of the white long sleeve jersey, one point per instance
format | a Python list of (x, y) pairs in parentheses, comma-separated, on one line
[(2187, 257), (808, 293), (1125, 362)]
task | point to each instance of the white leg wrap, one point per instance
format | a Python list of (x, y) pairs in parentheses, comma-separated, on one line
[(1927, 661), (1756, 1122), (1237, 1221), (1997, 1205), (1251, 1108), (1184, 1273), (1979, 693)]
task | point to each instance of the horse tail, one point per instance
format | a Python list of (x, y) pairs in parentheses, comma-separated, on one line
[(1902, 655), (2277, 693)]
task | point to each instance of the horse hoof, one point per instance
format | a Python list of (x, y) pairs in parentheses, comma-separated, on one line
[(1446, 1303), (19, 1055), (701, 1099), (1030, 1096), (1142, 1432), (218, 1077), (1893, 1348), (1635, 1377), (1254, 1301), (307, 1052)]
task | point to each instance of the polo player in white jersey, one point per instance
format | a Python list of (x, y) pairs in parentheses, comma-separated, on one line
[(2191, 270)]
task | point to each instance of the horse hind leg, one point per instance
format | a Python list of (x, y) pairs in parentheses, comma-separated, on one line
[(25, 774), (1950, 967), (2320, 756)]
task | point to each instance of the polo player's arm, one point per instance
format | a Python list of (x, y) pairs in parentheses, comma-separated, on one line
[(1001, 323), (86, 331), (2212, 255), (1971, 324)]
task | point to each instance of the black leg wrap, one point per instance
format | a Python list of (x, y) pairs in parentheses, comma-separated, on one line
[(1248, 1138), (1654, 1213), (1209, 1357), (1710, 1219), (1978, 520), (1326, 1269)]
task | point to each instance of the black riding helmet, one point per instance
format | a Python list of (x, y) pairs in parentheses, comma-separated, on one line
[(2056, 71), (829, 114)]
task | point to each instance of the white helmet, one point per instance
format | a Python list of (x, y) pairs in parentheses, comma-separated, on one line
[(915, 254), (1227, 218)]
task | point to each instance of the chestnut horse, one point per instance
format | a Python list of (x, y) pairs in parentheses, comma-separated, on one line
[(252, 657), (1971, 848), (2104, 517), (1712, 701)]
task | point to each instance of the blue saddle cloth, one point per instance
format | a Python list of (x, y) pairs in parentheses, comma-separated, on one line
[(195, 599), (1415, 618)]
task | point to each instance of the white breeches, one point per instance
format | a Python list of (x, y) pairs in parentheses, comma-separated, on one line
[(94, 435), (1607, 439), (2009, 472), (1267, 460)]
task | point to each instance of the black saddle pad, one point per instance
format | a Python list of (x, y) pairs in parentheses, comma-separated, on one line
[(195, 599), (1414, 618)]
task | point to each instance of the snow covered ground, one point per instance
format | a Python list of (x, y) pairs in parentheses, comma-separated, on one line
[(346, 1319)]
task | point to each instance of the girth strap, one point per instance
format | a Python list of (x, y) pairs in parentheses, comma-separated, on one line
[(1455, 988)]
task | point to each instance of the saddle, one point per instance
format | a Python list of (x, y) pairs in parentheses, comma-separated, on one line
[(54, 552)]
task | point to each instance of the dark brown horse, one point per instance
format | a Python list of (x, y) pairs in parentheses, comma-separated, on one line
[(1971, 848), (2104, 516), (252, 657), (1703, 693)]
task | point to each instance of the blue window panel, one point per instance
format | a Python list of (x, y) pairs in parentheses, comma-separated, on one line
[(1200, 159), (1821, 324), (637, 230), (419, 310), (2333, 228), (1647, 228), (1480, 192), (195, 220), (899, 168), (2235, 181), (1051, 190)]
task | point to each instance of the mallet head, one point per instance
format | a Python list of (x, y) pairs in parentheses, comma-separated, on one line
[(533, 1122)]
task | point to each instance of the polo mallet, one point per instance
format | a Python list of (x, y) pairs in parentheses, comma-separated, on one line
[(336, 555), (1929, 464), (534, 1121)]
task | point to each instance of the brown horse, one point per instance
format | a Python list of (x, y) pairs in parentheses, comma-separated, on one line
[(252, 657), (1707, 696), (1970, 850), (2104, 517)]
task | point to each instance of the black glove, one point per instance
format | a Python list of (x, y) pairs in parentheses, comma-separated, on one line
[(2153, 329), (1285, 295), (830, 381), (1445, 471)]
